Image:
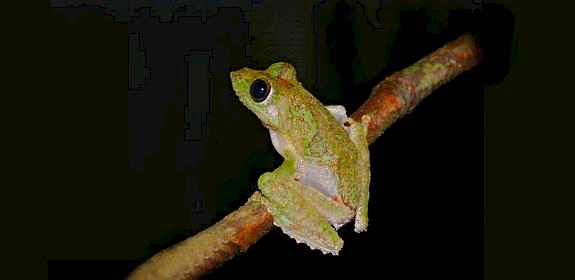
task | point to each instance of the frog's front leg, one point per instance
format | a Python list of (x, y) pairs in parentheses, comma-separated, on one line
[(357, 132), (293, 213)]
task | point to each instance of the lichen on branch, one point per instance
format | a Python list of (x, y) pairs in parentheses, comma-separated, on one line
[(399, 94)]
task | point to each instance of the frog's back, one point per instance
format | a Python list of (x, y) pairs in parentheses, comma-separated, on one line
[(320, 137), (324, 147)]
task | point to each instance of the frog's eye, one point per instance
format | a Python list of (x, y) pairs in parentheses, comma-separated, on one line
[(260, 90)]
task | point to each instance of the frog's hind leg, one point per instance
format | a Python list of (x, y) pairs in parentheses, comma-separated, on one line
[(358, 134), (337, 213), (295, 215)]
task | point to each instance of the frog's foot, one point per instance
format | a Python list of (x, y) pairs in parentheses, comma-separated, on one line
[(295, 215)]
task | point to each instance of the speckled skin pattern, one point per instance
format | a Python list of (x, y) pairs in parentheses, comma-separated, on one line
[(324, 180)]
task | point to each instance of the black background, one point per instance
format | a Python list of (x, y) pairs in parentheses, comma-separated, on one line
[(104, 215)]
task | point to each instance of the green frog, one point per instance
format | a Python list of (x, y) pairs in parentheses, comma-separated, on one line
[(323, 182)]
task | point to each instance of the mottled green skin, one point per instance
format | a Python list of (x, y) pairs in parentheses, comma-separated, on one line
[(318, 151)]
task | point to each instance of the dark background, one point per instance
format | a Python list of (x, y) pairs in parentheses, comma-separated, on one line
[(194, 153)]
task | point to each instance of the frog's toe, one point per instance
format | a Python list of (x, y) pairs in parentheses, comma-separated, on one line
[(361, 220)]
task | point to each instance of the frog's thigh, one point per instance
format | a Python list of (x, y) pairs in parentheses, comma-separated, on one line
[(337, 213), (296, 216), (357, 133)]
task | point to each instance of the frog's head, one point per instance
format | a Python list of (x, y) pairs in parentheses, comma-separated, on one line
[(264, 91)]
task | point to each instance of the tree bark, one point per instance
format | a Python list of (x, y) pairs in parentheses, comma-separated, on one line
[(390, 100), (398, 94)]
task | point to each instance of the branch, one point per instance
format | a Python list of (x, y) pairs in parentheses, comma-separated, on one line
[(390, 100), (398, 94)]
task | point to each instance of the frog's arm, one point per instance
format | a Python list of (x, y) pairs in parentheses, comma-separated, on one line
[(357, 132)]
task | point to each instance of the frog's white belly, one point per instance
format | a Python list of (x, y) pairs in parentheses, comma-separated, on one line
[(320, 178), (316, 176)]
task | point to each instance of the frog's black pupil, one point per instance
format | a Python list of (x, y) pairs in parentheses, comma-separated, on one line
[(259, 90)]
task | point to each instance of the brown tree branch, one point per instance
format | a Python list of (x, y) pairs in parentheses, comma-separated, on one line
[(399, 93), (390, 100)]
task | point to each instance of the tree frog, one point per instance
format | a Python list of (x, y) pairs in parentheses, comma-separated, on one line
[(324, 180)]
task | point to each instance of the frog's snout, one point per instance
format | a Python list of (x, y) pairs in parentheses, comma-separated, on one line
[(234, 77), (237, 74)]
